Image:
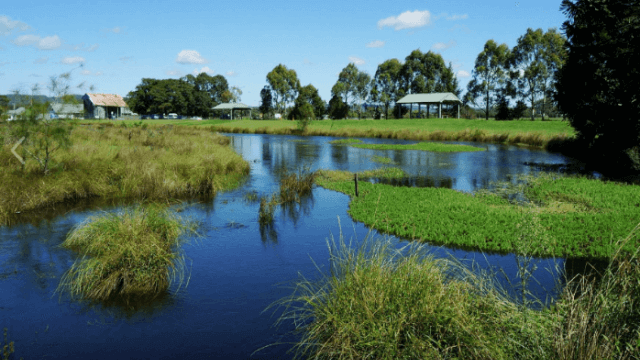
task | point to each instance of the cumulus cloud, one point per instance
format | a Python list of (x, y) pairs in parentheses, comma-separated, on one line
[(45, 43), (462, 74), (85, 72), (406, 20), (443, 46), (375, 44), (204, 69), (42, 60), (356, 60), (72, 60), (231, 73), (190, 57), (7, 26)]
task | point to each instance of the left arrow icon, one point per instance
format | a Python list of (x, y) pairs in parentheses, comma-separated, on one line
[(13, 150)]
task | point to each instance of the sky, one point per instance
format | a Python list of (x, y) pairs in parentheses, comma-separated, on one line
[(112, 45)]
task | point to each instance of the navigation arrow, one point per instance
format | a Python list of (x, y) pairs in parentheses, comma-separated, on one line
[(13, 150)]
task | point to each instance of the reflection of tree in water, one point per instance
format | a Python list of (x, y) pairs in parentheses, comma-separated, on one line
[(130, 307), (306, 151), (339, 155), (293, 210), (268, 234), (414, 182)]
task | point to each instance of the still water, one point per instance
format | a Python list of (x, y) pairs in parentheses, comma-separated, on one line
[(236, 270)]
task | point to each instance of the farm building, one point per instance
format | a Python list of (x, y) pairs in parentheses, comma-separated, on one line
[(67, 111), (104, 106), (14, 114)]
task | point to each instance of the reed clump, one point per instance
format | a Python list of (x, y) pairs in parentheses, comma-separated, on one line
[(115, 162), (379, 302), (294, 185), (133, 252), (8, 348)]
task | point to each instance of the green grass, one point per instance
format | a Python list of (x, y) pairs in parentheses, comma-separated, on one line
[(382, 160), (379, 302), (130, 253), (116, 162), (567, 216), (533, 133), (345, 141), (424, 146)]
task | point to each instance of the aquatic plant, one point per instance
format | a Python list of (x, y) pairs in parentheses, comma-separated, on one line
[(158, 163), (7, 347), (345, 141), (267, 208), (382, 159), (379, 302), (424, 146), (128, 253), (576, 217), (294, 185)]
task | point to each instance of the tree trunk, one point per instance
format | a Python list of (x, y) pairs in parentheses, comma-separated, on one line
[(486, 115)]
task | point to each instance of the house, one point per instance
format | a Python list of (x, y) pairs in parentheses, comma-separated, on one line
[(14, 114), (104, 106), (67, 111)]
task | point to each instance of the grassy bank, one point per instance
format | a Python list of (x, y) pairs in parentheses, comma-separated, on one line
[(117, 162), (533, 133), (567, 216), (377, 302), (131, 253)]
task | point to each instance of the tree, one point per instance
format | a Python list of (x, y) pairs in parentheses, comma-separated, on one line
[(535, 59), (354, 85), (503, 112), (266, 104), (597, 88), (489, 74), (284, 84), (386, 84), (337, 108), (308, 95), (4, 105)]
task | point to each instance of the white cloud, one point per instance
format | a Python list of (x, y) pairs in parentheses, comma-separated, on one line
[(190, 57), (72, 60), (462, 28), (7, 25), (231, 73), (462, 74), (375, 44), (115, 30), (356, 60), (406, 20), (205, 69), (98, 73), (457, 17), (35, 75), (42, 60), (46, 43), (443, 46), (126, 59), (307, 61), (85, 72), (93, 47)]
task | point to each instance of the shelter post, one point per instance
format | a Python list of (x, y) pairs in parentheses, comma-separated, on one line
[(439, 110)]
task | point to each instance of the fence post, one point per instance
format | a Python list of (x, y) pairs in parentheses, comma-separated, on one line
[(356, 181)]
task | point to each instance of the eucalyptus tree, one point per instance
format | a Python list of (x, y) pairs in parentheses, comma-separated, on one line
[(386, 84), (266, 102), (490, 74), (285, 86), (535, 59), (597, 88)]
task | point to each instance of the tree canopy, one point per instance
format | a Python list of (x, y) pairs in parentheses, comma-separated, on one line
[(490, 74), (353, 85), (386, 84), (597, 88), (284, 84)]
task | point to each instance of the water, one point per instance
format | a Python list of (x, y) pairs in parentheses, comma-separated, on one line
[(236, 270)]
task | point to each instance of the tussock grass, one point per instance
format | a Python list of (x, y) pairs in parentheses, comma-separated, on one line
[(572, 216), (130, 253), (424, 146), (295, 185), (345, 141), (381, 303), (116, 162), (532, 133)]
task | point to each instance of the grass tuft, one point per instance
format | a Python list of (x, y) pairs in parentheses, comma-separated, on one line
[(129, 253)]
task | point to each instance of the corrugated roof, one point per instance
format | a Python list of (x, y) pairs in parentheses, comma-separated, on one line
[(107, 100), (68, 108), (428, 98), (227, 106), (17, 111)]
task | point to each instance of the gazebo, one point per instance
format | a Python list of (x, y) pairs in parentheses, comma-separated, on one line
[(428, 99), (233, 106)]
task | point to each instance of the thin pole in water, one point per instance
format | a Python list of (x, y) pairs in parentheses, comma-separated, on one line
[(356, 181)]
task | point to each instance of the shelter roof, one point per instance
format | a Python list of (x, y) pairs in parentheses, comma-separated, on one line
[(67, 108), (107, 100), (429, 98), (17, 111), (233, 106)]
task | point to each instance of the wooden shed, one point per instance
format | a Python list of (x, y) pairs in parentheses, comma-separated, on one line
[(104, 106)]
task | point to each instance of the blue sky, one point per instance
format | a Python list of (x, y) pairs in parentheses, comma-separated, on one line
[(120, 42)]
